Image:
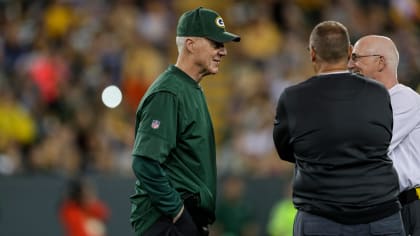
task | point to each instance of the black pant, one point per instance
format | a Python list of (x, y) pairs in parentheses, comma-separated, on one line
[(307, 224), (185, 226), (411, 217)]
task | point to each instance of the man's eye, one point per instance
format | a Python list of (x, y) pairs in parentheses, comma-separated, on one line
[(217, 45)]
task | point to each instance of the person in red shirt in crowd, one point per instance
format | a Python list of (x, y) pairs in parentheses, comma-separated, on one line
[(82, 213)]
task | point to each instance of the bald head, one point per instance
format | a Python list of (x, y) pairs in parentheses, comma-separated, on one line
[(377, 57), (381, 45)]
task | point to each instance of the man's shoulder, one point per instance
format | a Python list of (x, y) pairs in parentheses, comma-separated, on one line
[(321, 80), (163, 85), (404, 98), (333, 83), (166, 82), (403, 90), (366, 81), (301, 85), (371, 84)]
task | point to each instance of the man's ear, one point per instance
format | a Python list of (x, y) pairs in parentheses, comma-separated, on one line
[(382, 63), (189, 44), (313, 54)]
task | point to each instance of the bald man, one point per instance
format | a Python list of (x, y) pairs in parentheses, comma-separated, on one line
[(377, 57), (336, 128)]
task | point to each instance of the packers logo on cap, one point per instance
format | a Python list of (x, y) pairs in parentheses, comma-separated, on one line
[(219, 22)]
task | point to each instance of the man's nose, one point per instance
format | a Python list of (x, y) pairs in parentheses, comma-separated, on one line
[(223, 51)]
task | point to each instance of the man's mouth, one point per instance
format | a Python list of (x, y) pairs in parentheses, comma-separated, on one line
[(356, 72)]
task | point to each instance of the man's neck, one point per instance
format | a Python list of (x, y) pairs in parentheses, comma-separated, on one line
[(328, 68), (189, 69), (333, 72), (388, 81)]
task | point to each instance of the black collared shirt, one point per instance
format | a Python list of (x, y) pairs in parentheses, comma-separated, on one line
[(337, 129)]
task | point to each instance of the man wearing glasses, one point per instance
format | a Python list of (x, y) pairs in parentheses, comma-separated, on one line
[(377, 57), (336, 127)]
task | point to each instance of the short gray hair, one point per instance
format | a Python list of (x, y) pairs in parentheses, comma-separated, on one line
[(180, 43)]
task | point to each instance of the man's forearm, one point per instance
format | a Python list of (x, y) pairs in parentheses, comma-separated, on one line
[(155, 181)]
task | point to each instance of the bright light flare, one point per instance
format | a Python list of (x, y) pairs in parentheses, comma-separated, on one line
[(111, 96)]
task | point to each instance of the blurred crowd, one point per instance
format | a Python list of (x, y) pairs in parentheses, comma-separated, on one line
[(57, 56)]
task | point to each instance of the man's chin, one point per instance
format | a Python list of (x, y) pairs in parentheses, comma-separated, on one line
[(357, 72), (213, 71)]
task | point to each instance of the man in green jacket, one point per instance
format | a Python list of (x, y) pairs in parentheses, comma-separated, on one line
[(174, 156)]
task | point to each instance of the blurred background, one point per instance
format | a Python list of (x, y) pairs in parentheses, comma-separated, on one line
[(58, 56)]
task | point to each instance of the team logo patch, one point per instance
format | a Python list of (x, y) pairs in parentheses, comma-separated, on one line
[(219, 22), (155, 124)]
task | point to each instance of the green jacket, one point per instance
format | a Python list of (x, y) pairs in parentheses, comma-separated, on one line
[(173, 129)]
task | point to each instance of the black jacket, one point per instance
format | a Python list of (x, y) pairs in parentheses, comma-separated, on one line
[(337, 128)]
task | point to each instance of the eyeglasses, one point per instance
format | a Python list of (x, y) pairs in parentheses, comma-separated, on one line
[(356, 57)]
